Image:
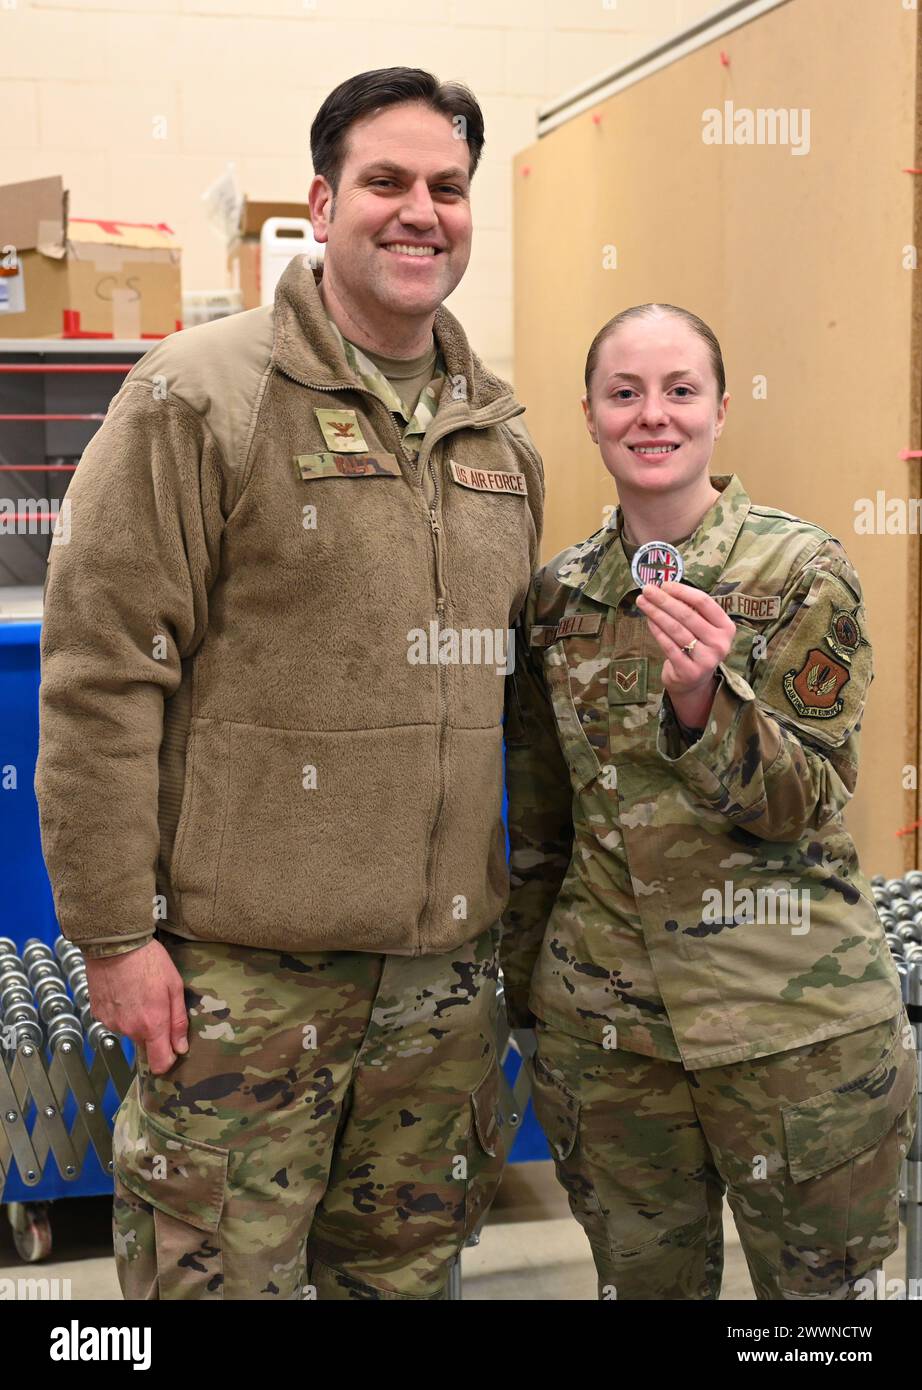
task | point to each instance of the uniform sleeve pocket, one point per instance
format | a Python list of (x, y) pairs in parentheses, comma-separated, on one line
[(182, 1177), (816, 674), (829, 1129)]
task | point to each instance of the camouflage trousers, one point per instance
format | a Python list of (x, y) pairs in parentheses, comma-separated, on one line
[(332, 1132), (806, 1145)]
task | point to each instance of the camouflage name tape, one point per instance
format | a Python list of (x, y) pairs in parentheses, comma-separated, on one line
[(577, 625), (757, 607), (325, 465)]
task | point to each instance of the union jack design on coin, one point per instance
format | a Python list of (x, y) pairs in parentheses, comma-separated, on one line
[(657, 562)]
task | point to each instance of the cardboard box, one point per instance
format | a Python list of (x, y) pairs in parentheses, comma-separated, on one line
[(82, 277), (243, 262), (204, 306)]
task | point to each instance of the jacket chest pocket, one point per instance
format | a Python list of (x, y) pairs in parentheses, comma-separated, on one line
[(577, 685), (486, 513)]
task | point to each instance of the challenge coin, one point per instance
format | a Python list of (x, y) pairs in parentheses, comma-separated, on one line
[(657, 562)]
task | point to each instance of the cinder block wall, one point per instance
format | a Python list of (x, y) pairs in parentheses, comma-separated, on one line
[(139, 104)]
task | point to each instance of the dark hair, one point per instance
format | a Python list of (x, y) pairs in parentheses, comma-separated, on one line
[(645, 311), (371, 91)]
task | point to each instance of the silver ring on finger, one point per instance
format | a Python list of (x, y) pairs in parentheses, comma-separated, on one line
[(691, 646)]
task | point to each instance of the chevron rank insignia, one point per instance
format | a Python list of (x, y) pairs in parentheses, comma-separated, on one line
[(627, 681)]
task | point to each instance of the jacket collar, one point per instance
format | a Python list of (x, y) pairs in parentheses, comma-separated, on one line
[(307, 348), (600, 568), (372, 377)]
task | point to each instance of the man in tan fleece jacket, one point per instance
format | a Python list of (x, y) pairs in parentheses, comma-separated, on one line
[(270, 767)]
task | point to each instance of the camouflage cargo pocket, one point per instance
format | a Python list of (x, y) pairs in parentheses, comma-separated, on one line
[(558, 1112), (844, 1151), (169, 1196), (485, 1150)]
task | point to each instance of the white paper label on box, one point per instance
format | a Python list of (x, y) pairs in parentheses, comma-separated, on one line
[(13, 293)]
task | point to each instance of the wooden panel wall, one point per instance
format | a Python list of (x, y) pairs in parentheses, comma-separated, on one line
[(797, 262)]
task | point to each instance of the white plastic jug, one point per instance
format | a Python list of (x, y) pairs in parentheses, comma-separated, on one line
[(279, 239)]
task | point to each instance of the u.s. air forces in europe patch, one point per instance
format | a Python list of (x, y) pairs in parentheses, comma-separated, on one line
[(816, 689)]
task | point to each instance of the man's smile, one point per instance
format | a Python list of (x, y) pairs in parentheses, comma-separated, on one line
[(412, 250)]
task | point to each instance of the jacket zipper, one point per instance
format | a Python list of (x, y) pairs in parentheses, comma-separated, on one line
[(435, 526), (436, 539)]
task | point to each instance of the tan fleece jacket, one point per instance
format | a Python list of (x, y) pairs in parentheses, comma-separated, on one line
[(234, 739)]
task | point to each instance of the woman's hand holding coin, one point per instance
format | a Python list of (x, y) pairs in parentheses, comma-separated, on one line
[(695, 635)]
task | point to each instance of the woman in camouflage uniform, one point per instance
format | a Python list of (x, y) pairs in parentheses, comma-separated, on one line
[(689, 930)]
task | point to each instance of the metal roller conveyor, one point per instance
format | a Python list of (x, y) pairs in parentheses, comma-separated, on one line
[(52, 1049), (899, 906)]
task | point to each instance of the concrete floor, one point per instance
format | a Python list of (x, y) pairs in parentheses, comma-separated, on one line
[(531, 1248)]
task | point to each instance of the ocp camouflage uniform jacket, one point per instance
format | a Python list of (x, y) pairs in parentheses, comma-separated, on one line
[(632, 849), (240, 736)]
